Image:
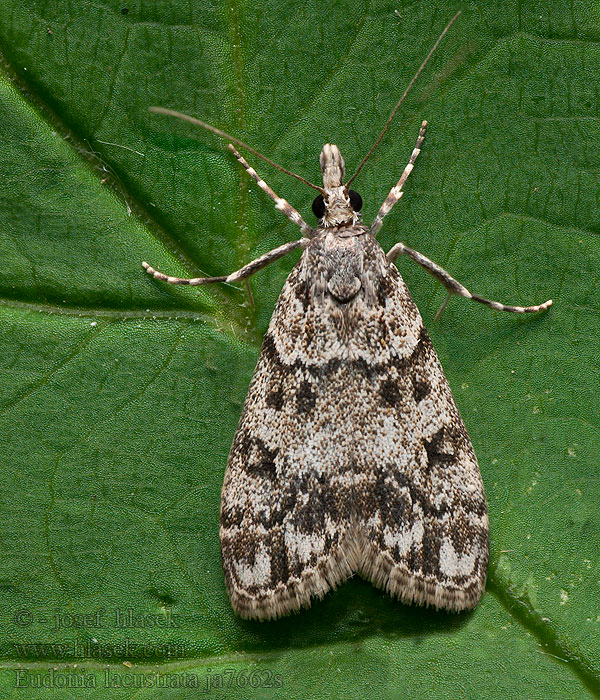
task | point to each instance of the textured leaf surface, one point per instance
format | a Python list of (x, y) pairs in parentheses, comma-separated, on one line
[(119, 396)]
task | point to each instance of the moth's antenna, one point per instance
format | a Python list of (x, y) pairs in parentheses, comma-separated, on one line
[(412, 82), (223, 134)]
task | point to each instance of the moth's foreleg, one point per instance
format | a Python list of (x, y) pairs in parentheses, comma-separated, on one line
[(455, 287), (242, 273), (396, 191), (280, 203)]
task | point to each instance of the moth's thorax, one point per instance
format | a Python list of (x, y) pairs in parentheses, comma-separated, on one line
[(344, 258), (338, 210), (331, 235)]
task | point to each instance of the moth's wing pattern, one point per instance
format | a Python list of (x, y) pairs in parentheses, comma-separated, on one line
[(350, 454), (423, 512), (285, 518)]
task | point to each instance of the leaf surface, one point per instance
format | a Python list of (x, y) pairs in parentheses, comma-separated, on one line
[(119, 396)]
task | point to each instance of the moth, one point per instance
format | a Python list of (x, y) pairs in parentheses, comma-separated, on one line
[(350, 455)]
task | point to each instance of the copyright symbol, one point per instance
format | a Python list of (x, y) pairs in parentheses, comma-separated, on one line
[(23, 618)]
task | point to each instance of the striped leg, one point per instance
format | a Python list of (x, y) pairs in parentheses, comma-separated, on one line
[(396, 191), (241, 274), (280, 203), (455, 287)]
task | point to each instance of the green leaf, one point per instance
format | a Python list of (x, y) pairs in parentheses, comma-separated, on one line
[(120, 395)]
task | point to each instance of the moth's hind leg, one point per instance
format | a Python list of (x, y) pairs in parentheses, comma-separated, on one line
[(241, 274), (454, 286)]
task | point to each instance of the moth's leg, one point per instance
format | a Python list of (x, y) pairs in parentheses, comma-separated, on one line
[(396, 191), (241, 274), (455, 287), (280, 203)]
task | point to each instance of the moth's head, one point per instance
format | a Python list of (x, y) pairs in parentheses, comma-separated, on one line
[(337, 206)]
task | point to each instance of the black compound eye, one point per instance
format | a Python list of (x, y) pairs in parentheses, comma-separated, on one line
[(355, 200), (318, 206)]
